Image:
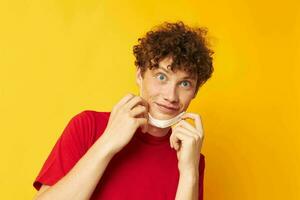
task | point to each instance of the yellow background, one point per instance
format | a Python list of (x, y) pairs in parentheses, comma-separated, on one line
[(59, 57)]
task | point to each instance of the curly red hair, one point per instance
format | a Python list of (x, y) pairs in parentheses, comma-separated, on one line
[(187, 46)]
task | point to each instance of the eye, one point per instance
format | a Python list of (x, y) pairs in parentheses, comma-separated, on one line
[(185, 83), (161, 77)]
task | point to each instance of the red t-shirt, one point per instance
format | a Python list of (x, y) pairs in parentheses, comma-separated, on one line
[(146, 168)]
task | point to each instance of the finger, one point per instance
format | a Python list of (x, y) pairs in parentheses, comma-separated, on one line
[(188, 132), (179, 138), (134, 101), (187, 125), (190, 128), (141, 121), (182, 136), (143, 113), (197, 119), (185, 135), (138, 110), (175, 142), (171, 141), (124, 100)]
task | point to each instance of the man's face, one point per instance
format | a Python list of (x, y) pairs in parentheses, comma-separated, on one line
[(168, 93)]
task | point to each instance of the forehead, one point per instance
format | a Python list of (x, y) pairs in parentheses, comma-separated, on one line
[(165, 65)]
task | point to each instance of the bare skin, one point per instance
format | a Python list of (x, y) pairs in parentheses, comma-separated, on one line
[(82, 179), (161, 87)]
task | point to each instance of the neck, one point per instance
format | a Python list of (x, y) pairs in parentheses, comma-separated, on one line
[(157, 132)]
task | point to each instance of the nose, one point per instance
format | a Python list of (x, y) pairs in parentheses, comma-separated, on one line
[(170, 93)]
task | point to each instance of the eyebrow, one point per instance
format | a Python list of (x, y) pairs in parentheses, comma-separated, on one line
[(186, 77)]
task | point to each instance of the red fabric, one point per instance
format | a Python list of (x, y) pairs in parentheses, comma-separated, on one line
[(146, 168)]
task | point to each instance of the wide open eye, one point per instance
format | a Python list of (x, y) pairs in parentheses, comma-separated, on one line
[(185, 83), (161, 77)]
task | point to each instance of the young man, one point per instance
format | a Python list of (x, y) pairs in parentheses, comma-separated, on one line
[(122, 154)]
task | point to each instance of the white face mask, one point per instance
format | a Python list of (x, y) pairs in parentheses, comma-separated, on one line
[(159, 122), (166, 122)]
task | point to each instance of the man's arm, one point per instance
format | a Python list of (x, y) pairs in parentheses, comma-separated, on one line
[(188, 186), (82, 179), (42, 189)]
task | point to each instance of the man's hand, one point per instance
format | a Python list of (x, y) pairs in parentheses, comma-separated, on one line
[(126, 116), (187, 141)]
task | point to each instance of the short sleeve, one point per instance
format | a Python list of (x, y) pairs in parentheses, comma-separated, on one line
[(68, 149), (201, 176)]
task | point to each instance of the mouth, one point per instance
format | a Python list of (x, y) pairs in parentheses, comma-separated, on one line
[(167, 109)]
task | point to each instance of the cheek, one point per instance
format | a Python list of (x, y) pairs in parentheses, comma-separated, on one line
[(186, 98), (153, 89), (153, 92)]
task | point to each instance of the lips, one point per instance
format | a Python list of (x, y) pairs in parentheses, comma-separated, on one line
[(170, 108)]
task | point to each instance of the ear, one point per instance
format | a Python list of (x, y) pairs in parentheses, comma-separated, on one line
[(195, 93), (138, 76)]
